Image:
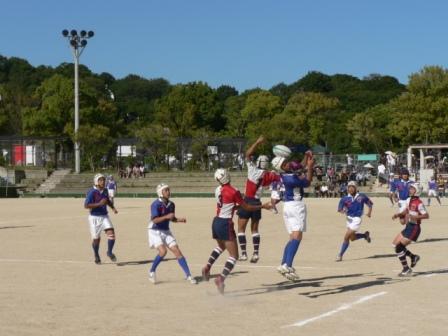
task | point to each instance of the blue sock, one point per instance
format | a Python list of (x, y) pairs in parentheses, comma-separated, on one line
[(183, 263), (110, 245), (344, 248), (156, 263), (360, 236), (285, 252), (96, 248), (292, 250)]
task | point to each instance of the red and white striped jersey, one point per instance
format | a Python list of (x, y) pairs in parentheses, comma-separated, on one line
[(257, 179), (416, 207), (227, 199)]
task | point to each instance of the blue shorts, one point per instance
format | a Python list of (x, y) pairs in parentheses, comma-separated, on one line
[(411, 231), (222, 229), (255, 215)]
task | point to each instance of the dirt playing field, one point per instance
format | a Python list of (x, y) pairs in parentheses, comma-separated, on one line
[(49, 284)]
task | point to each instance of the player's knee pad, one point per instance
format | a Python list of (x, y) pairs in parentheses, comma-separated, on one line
[(111, 236)]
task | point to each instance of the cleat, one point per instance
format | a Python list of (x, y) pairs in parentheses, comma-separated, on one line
[(282, 269), (254, 258), (112, 257), (219, 282), (205, 274), (152, 277), (367, 233), (243, 257), (97, 260), (192, 280), (338, 258), (292, 276), (405, 272), (275, 211), (415, 260)]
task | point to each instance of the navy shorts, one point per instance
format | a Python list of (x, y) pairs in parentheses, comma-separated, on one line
[(222, 229), (411, 231), (255, 215)]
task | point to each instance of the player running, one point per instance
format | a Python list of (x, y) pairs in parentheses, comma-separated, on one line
[(159, 234), (96, 201), (414, 212), (111, 186), (353, 206), (228, 199), (432, 191), (257, 178), (294, 209)]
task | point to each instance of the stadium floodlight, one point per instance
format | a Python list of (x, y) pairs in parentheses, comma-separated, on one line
[(77, 44)]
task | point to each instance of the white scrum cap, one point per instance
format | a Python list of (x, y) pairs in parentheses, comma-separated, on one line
[(160, 188), (277, 163), (97, 178), (222, 176), (352, 183), (262, 162)]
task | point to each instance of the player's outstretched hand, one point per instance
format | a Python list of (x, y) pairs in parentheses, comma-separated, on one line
[(115, 211), (260, 139), (182, 220)]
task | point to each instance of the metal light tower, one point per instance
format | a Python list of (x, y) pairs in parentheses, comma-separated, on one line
[(77, 42)]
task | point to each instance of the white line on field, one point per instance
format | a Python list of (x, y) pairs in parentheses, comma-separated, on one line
[(42, 220), (44, 261), (337, 310)]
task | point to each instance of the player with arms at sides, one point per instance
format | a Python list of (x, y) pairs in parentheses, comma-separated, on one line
[(353, 206), (392, 195), (257, 178), (96, 201), (228, 199), (401, 187), (432, 191), (294, 209), (111, 186), (413, 213), (159, 234)]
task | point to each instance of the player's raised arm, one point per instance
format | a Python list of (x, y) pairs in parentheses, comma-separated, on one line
[(251, 150)]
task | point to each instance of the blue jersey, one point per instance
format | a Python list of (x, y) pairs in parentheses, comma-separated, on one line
[(354, 206), (159, 209), (293, 187), (111, 185), (95, 195), (432, 185), (402, 187)]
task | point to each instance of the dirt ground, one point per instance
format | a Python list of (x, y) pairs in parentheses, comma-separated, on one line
[(49, 284)]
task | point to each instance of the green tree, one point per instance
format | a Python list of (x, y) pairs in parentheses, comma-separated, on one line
[(95, 143)]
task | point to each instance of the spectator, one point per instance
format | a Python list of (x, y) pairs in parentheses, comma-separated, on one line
[(381, 174)]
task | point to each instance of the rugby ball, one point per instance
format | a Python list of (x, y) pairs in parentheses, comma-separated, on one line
[(281, 150)]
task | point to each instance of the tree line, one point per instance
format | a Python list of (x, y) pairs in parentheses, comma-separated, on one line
[(340, 112)]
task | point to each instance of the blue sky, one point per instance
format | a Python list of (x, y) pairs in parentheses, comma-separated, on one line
[(242, 43)]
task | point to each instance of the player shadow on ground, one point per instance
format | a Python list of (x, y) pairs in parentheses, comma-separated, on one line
[(140, 262), (15, 227), (431, 240), (348, 288), (378, 256), (287, 285), (212, 276), (440, 271)]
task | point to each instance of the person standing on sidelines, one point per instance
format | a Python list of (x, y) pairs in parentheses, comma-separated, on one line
[(111, 188), (414, 212), (228, 199), (257, 178), (432, 191), (159, 234), (294, 209), (401, 187), (96, 201), (353, 206)]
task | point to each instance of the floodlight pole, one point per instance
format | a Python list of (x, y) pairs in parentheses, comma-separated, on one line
[(77, 43)]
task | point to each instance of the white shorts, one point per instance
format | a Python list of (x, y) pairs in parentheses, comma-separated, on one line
[(111, 192), (98, 224), (353, 223), (160, 237), (276, 195), (432, 192), (402, 206), (294, 215)]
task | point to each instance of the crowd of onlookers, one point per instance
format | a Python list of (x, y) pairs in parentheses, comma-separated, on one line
[(132, 171)]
